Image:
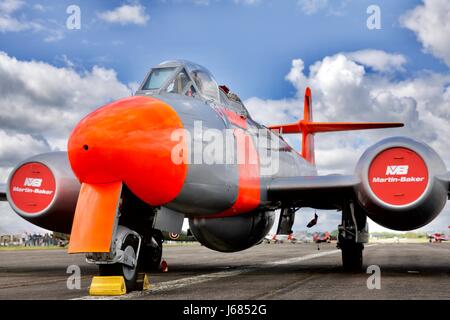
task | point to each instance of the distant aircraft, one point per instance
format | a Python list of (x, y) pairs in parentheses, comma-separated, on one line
[(137, 166), (294, 237), (437, 237), (278, 238), (319, 237)]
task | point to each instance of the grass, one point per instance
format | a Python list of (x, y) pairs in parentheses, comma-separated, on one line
[(23, 248), (179, 243)]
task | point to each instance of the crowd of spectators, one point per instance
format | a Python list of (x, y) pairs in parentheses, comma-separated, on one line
[(30, 240)]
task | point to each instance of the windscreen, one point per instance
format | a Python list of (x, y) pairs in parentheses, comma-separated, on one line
[(158, 78)]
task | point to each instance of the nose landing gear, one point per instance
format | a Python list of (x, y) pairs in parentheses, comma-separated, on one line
[(130, 256), (128, 267)]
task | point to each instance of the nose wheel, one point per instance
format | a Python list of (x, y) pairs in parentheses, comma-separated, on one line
[(133, 258), (129, 269), (131, 255)]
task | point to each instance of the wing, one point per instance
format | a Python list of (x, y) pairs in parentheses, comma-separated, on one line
[(2, 192), (320, 192)]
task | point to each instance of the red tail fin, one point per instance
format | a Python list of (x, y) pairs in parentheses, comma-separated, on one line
[(308, 127)]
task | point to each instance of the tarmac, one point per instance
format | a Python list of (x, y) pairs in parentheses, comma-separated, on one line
[(266, 271)]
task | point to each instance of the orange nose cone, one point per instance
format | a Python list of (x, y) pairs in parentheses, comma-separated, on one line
[(130, 141)]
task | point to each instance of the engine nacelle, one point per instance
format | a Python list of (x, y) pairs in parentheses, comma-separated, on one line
[(231, 234), (44, 191), (400, 187)]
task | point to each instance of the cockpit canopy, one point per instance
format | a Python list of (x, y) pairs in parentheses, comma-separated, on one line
[(182, 77)]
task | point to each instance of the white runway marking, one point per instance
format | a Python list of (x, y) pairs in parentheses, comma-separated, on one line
[(184, 282), (170, 285)]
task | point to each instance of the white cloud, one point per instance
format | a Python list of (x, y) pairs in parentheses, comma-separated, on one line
[(204, 3), (39, 7), (343, 91), (379, 60), (9, 6), (248, 2), (40, 104), (431, 23), (312, 6), (296, 75), (12, 20), (34, 94), (201, 2), (126, 14), (54, 35), (8, 23), (15, 146), (11, 223)]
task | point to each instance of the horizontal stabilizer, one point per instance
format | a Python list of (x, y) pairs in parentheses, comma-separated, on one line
[(316, 127), (307, 127)]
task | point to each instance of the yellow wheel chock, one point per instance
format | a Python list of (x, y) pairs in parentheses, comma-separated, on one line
[(115, 285), (143, 282), (107, 286)]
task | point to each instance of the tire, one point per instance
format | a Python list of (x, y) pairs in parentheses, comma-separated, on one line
[(117, 269), (352, 256)]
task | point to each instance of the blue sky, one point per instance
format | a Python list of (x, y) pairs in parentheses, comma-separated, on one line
[(249, 47)]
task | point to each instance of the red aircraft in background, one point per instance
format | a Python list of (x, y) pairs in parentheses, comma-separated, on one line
[(319, 237), (279, 238), (138, 166), (437, 237)]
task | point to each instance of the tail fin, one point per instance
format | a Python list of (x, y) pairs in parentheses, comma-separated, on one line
[(308, 127)]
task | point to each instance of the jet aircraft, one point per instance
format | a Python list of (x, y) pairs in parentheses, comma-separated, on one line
[(137, 167)]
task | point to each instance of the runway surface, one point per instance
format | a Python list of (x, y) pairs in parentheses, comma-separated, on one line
[(266, 271)]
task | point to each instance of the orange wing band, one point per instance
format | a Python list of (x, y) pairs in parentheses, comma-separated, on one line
[(95, 215), (249, 189)]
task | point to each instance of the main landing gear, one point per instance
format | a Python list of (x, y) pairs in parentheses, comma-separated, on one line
[(353, 233)]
